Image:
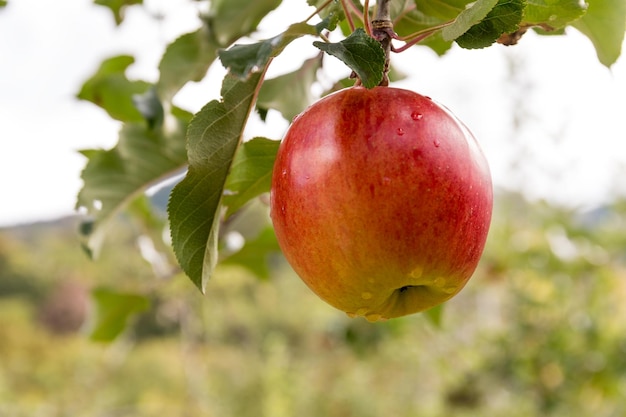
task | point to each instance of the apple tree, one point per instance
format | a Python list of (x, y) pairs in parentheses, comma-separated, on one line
[(221, 173)]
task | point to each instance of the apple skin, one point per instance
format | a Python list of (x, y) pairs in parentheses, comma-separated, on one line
[(381, 201)]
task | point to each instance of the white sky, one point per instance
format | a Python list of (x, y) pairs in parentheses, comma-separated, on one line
[(573, 108)]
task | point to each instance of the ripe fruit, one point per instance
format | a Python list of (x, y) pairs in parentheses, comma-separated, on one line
[(381, 201)]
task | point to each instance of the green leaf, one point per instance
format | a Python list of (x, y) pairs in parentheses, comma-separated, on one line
[(117, 7), (553, 14), (242, 60), (150, 107), (113, 177), (291, 93), (443, 10), (112, 312), (468, 18), (3, 3), (251, 172), (435, 315), (604, 24), (110, 89), (363, 54), (504, 18), (195, 207), (229, 20), (186, 59), (413, 20), (255, 253), (329, 22)]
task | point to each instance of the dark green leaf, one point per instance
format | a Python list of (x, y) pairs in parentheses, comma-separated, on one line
[(605, 24), (188, 58), (110, 89), (361, 53), (504, 18), (229, 20), (112, 312), (290, 93), (112, 178), (255, 253), (195, 207), (468, 18), (117, 7), (553, 14), (242, 60), (251, 172), (3, 3)]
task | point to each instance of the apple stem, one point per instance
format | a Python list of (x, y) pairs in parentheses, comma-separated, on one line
[(382, 31)]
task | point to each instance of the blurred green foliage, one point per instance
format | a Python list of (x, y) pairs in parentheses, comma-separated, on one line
[(539, 331)]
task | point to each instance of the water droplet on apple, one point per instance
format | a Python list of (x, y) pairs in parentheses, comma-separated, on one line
[(417, 272), (386, 180), (366, 295), (282, 209), (440, 282), (361, 311), (437, 143), (373, 317), (449, 290), (351, 315), (400, 131), (284, 172), (416, 116)]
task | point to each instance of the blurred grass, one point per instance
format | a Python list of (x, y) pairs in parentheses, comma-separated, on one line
[(539, 331)]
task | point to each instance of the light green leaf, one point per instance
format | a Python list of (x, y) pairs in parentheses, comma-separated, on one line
[(112, 178), (553, 14), (468, 18), (242, 60), (255, 253), (361, 53), (117, 7), (186, 59), (413, 20), (443, 10), (195, 207), (435, 315), (229, 20), (504, 18), (291, 93), (112, 312), (605, 24), (110, 89), (251, 172)]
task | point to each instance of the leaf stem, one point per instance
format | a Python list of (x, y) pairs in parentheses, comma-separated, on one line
[(366, 18), (319, 9), (348, 15)]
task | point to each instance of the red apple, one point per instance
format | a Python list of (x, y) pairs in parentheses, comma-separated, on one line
[(381, 200)]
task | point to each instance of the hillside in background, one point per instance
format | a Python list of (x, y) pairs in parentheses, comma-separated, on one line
[(539, 330)]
